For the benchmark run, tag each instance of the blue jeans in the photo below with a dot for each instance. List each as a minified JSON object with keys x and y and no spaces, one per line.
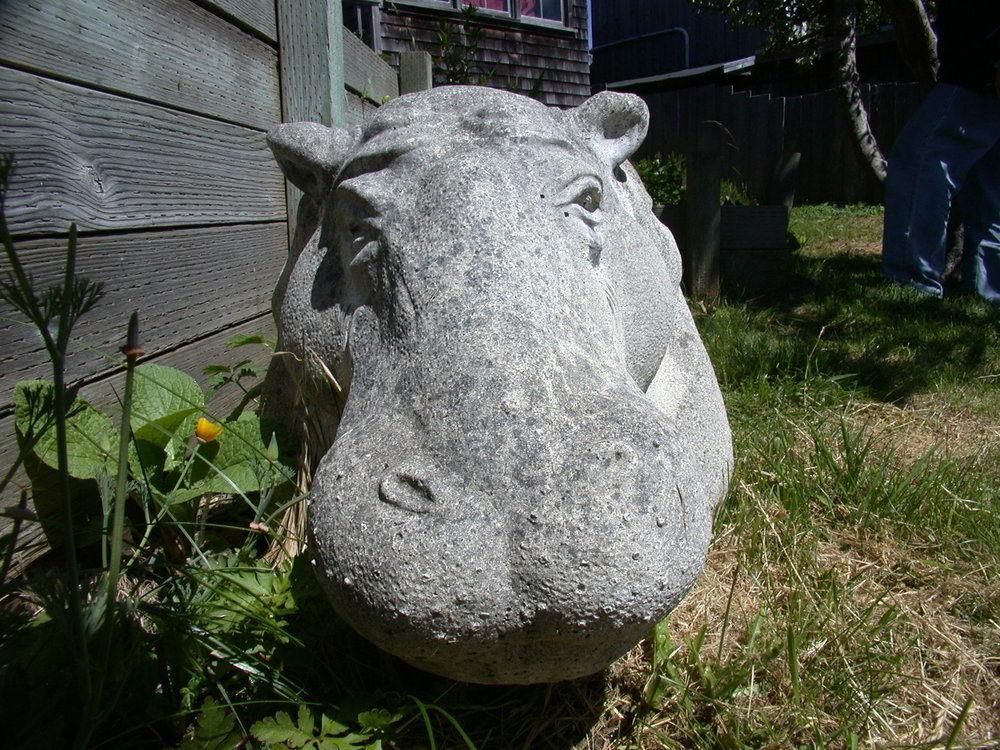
{"x":949,"y":150}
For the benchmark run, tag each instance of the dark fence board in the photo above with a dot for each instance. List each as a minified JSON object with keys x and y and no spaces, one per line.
{"x":167,"y":51}
{"x":258,"y":15}
{"x":184,"y":283}
{"x":764,"y":127}
{"x":107,"y":162}
{"x":359,"y":110}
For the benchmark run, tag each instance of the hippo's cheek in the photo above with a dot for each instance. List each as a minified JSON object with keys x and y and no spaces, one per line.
{"x":619,"y":550}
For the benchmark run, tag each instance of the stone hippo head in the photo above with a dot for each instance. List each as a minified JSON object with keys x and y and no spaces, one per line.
{"x":531,"y":439}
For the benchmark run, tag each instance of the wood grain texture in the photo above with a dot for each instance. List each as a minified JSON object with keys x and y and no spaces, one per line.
{"x":192,"y":359}
{"x":107,"y":162}
{"x":359,"y":111}
{"x":257,"y":14}
{"x":367,"y":74}
{"x":312,"y":69}
{"x":310,"y":37}
{"x":183,"y":282}
{"x":167,"y":51}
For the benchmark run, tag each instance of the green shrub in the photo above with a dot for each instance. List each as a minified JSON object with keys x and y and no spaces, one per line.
{"x":665,"y":178}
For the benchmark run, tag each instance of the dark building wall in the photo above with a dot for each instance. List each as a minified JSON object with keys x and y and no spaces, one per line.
{"x":711,"y":38}
{"x":524,"y":57}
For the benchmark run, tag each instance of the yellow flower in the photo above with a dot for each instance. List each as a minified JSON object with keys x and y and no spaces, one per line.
{"x":206,"y":430}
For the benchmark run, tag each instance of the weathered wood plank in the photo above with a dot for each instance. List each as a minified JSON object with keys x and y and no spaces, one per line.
{"x":183,"y":283}
{"x":702,"y":213}
{"x":312,"y":68}
{"x":107,"y":162}
{"x":359,"y":110}
{"x":365,"y":73}
{"x":192,"y":359}
{"x":256,"y":14}
{"x":416,"y":72}
{"x":167,"y":51}
{"x":312,"y":71}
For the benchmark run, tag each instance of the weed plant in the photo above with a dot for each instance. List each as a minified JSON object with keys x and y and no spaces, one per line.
{"x":665,"y":178}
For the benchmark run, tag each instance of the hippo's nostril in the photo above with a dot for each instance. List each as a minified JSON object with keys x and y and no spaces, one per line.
{"x":407,"y":490}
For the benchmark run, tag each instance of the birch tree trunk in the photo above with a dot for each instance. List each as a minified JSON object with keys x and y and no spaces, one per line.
{"x":915,"y":38}
{"x":843,"y":15}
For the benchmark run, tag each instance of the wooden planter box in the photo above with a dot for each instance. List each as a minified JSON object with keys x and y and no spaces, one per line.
{"x":754,"y":251}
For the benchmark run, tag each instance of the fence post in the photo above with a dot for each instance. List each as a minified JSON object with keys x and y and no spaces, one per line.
{"x":703,"y":215}
{"x":781,"y":190}
{"x":416,"y":72}
{"x":311,"y":53}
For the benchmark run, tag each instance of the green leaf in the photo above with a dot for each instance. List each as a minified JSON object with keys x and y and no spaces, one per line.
{"x":235,"y":462}
{"x":305,"y":721}
{"x":378,"y":718}
{"x":215,"y":730}
{"x":279,"y":729}
{"x":91,"y":438}
{"x":244,"y":339}
{"x":163,"y":399}
{"x":331,"y":727}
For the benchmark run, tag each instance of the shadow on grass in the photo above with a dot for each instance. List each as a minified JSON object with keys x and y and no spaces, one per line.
{"x":336,"y":666}
{"x":838,"y":316}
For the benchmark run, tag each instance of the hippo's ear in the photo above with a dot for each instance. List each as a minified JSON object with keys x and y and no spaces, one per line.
{"x":614,"y":125}
{"x":310,"y":154}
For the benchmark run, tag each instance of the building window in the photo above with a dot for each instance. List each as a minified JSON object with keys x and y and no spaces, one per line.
{"x":548,"y":10}
{"x":524,"y":10}
{"x":362,"y":17}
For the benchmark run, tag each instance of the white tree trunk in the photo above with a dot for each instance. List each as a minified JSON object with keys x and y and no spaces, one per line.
{"x":844,"y":28}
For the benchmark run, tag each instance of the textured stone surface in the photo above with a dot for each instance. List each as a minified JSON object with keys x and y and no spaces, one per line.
{"x":532,"y":440}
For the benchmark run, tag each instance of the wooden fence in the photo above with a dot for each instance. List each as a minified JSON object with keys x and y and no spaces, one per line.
{"x":143,"y":121}
{"x":761,"y":127}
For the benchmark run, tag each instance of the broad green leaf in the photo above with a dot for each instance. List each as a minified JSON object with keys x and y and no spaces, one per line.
{"x":165,"y":404}
{"x":215,"y":730}
{"x":91,"y":438}
{"x":235,"y":462}
{"x":163,"y":399}
{"x":279,"y":729}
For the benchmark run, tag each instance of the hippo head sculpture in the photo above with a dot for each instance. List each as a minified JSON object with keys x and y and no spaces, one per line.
{"x":529,"y":437}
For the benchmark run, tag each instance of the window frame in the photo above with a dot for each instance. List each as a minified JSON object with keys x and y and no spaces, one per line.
{"x":454,"y":7}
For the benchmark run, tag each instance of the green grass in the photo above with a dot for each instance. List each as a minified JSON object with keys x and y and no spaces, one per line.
{"x":852,"y":594}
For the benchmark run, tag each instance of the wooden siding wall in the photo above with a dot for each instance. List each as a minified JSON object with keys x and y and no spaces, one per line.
{"x":762,"y":127}
{"x":518,"y":54}
{"x":143,"y":121}
{"x":712,"y":38}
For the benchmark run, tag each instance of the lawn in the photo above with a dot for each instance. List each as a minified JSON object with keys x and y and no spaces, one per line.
{"x":851,"y":597}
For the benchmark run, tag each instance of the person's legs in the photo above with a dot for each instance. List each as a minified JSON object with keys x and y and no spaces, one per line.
{"x":980,"y":203}
{"x":950,"y":131}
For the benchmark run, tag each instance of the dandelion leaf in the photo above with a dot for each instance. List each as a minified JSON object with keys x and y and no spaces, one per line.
{"x":91,"y":438}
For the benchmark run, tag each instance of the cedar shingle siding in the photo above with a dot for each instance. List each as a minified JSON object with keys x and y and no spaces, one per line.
{"x":517,"y":53}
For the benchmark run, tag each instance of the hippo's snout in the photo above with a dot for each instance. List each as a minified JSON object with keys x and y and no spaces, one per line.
{"x":556,"y":526}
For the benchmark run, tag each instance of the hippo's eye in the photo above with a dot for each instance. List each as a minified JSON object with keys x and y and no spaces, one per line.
{"x":589,"y":199}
